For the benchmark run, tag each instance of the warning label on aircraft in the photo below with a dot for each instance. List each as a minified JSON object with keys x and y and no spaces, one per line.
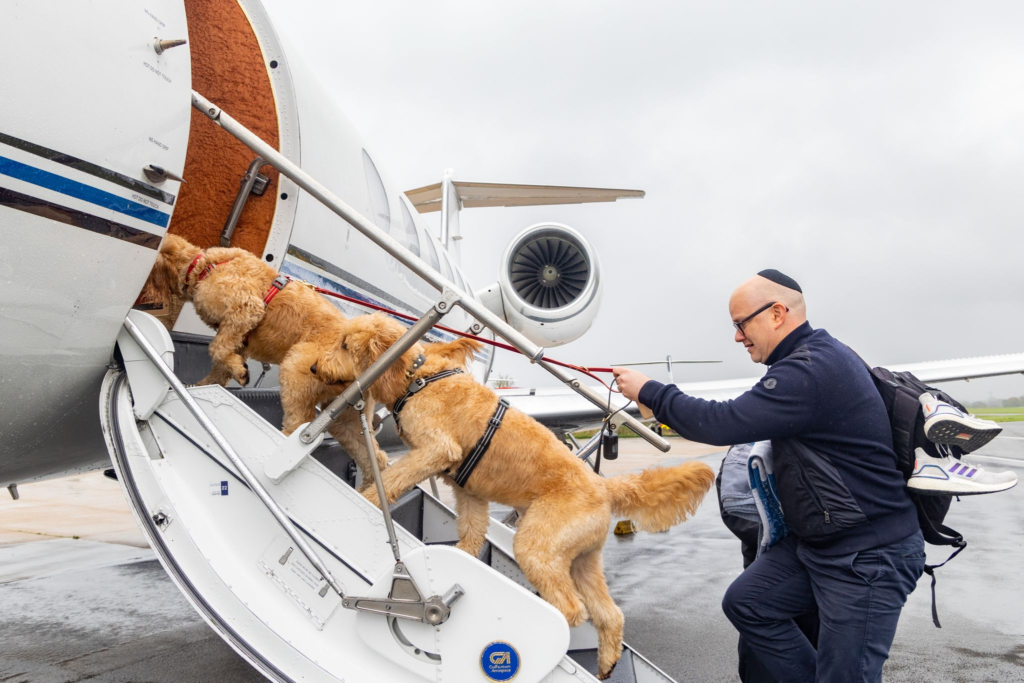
{"x":499,"y":661}
{"x":291,"y":572}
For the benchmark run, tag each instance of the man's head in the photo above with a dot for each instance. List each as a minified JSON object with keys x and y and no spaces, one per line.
{"x":767,"y":307}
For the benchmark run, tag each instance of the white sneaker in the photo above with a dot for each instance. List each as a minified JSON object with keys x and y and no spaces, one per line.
{"x":949,"y":476}
{"x":947,"y":424}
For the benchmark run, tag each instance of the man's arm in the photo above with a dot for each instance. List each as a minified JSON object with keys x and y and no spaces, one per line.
{"x":782,"y":404}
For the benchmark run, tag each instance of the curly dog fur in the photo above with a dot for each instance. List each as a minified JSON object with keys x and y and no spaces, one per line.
{"x":297,"y":325}
{"x":565,"y":507}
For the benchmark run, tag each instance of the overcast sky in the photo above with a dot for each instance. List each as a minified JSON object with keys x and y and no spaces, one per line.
{"x":874,"y":151}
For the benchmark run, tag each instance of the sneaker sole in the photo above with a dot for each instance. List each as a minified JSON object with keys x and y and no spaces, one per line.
{"x":955,"y":431}
{"x":943,"y":487}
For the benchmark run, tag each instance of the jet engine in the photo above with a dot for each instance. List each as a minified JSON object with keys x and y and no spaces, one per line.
{"x":549,"y":286}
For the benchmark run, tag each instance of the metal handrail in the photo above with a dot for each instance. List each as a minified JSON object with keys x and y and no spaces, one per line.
{"x":532,"y":351}
{"x":225,"y":447}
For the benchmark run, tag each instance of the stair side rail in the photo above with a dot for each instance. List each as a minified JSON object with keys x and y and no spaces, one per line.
{"x":246,"y":474}
{"x":532,"y":351}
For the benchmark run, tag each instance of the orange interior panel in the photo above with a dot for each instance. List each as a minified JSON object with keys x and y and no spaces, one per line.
{"x":229,"y":69}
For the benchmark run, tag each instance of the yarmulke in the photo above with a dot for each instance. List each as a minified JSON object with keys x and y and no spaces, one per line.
{"x":780,"y":279}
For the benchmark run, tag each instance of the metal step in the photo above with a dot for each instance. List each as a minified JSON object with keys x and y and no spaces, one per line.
{"x":622,"y":673}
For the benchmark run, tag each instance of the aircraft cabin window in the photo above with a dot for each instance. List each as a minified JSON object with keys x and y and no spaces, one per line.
{"x":447,"y":267}
{"x":432,"y":254}
{"x":378,"y":195}
{"x":407,"y":234}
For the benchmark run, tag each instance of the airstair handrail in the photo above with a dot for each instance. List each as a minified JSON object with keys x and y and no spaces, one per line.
{"x":246,"y":474}
{"x":532,"y":351}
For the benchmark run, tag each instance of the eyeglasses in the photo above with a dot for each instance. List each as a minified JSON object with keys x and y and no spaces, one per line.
{"x":740,"y":324}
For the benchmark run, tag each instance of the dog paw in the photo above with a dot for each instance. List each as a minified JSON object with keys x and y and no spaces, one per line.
{"x":576,"y":616}
{"x":370,"y":493}
{"x":604,"y":674}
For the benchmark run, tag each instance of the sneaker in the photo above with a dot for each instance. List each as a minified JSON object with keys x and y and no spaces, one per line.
{"x":949,"y":476}
{"x":947,"y":424}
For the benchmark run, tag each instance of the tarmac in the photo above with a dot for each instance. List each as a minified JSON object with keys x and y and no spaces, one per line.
{"x":84,"y":600}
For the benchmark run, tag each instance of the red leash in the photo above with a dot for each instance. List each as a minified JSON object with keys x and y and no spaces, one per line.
{"x":588,"y":371}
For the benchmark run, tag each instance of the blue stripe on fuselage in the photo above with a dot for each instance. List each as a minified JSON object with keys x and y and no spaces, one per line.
{"x":87,"y":193}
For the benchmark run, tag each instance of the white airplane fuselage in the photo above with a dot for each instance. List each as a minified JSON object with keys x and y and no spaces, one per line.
{"x":85,"y":111}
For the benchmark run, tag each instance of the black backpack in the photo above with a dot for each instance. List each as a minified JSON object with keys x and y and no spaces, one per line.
{"x":900,"y":391}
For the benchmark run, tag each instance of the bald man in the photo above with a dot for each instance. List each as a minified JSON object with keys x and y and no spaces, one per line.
{"x":854,"y":547}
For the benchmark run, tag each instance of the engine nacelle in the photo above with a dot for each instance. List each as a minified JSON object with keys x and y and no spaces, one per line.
{"x":549,"y":287}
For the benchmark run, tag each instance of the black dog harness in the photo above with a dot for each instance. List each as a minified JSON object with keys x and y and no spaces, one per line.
{"x":416,"y":385}
{"x":470,"y":462}
{"x":473,"y":459}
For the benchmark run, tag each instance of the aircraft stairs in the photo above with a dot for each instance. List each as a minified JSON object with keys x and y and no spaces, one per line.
{"x":229,"y":557}
{"x":268,"y":539}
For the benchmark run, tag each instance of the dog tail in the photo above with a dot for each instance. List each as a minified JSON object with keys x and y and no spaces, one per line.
{"x":659,"y":497}
{"x":459,"y":351}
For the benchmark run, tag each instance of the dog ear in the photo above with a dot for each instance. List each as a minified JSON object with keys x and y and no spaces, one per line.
{"x":459,"y":351}
{"x":385,"y":332}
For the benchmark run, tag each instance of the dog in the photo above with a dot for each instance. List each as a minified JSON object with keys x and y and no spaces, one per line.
{"x":565,"y":507}
{"x":228,"y":287}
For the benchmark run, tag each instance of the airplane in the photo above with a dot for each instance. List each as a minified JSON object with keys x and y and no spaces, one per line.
{"x":143,"y":121}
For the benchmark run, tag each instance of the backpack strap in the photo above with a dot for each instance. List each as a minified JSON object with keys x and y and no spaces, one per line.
{"x":904,"y":414}
{"x":938,"y":535}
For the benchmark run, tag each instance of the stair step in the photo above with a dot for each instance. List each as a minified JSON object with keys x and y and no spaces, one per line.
{"x":622,"y":673}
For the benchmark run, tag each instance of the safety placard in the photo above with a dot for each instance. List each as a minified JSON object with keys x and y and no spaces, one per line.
{"x":292,"y":573}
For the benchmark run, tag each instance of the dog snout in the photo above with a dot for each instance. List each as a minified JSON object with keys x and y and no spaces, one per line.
{"x":312,"y":368}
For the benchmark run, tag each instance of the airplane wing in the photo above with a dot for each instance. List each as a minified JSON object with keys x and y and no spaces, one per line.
{"x":563,"y":409}
{"x":428,"y":199}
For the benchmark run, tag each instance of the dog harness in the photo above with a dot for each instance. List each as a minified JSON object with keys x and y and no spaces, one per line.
{"x":461,"y":476}
{"x":204,"y":272}
{"x":279,"y":283}
{"x":415,"y":386}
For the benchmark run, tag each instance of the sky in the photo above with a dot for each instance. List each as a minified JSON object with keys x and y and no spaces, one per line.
{"x":874,"y":151}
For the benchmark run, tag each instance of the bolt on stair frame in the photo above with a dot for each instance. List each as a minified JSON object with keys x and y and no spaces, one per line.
{"x":532,"y":351}
{"x":250,"y":479}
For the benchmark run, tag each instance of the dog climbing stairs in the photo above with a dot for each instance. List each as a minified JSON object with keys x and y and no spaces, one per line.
{"x":298,"y":576}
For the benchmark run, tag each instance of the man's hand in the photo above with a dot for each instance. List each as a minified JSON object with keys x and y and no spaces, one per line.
{"x":630,"y":382}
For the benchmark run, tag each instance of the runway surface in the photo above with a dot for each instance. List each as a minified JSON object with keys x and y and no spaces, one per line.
{"x":99,"y":608}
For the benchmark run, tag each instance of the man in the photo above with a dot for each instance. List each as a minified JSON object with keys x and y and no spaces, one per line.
{"x":855,"y":548}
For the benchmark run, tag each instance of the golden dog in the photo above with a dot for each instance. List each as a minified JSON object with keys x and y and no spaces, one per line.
{"x":567,"y":506}
{"x":298,"y":324}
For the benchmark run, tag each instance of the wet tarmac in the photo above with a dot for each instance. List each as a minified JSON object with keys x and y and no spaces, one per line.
{"x":100,"y":609}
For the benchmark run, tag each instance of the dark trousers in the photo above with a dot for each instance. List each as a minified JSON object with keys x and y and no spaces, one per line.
{"x":859,"y":597}
{"x":752,"y":670}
